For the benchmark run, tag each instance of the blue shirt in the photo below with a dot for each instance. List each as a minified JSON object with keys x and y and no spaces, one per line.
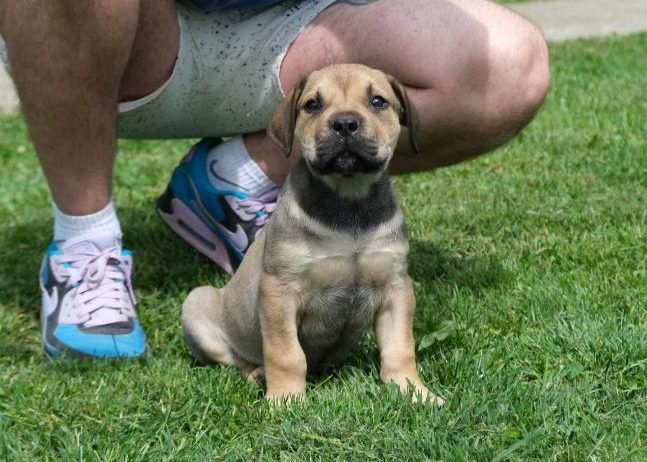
{"x":213,"y":5}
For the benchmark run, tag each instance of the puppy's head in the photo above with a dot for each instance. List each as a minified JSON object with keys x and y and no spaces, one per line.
{"x":346,"y":119}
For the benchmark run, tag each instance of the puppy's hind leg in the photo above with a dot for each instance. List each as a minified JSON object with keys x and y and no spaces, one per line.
{"x":202,"y":323}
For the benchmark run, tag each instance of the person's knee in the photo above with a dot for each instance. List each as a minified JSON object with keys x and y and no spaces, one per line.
{"x":533,"y":76}
{"x":86,"y":21}
{"x":519,"y":75}
{"x":69,"y":41}
{"x":497,"y":86}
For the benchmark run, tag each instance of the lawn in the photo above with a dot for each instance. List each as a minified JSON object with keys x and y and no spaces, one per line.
{"x":530,"y":261}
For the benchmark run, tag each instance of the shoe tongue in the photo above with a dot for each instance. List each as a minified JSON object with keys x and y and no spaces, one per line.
{"x":88,"y":243}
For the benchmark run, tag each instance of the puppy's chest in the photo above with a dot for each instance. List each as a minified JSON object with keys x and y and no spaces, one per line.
{"x":345,"y":281}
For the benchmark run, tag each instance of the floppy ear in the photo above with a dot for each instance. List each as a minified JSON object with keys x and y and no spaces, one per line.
{"x":284,"y":119}
{"x":408,"y":116}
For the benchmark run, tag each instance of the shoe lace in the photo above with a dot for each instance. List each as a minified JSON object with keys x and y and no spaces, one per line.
{"x":262,"y":206}
{"x":101,"y":281}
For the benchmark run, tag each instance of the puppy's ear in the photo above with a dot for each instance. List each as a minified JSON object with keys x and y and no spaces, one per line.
{"x":284,"y":119}
{"x":408,"y":116}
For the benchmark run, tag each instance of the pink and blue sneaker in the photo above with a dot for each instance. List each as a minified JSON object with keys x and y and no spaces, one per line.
{"x":219,"y":223}
{"x":88,"y":304}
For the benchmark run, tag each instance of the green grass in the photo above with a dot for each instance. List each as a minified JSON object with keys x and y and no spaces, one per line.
{"x":536,"y":253}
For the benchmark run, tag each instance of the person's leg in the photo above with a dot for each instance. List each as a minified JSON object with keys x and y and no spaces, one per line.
{"x":476,"y":71}
{"x":68,"y":60}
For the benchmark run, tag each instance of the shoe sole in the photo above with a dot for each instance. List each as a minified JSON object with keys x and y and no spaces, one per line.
{"x":186,"y":224}
{"x":59,"y":355}
{"x":52,"y":354}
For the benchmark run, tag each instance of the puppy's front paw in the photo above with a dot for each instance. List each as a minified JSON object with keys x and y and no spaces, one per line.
{"x":422,"y":394}
{"x":284,"y":397}
{"x":419,"y":392}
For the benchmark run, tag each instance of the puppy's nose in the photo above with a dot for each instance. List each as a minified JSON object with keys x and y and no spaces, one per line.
{"x":345,"y":124}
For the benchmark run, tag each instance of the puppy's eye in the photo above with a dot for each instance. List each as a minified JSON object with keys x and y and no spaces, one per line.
{"x":313,"y":105}
{"x":378,"y":102}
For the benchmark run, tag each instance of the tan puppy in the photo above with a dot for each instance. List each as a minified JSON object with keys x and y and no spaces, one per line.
{"x":333,"y":258}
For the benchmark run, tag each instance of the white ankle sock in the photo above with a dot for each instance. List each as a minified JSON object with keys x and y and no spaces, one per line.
{"x":230,"y":167}
{"x":68,"y":226}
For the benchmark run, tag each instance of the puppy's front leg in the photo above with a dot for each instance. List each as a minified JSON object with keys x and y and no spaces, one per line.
{"x":284,"y":359}
{"x":394,"y":331}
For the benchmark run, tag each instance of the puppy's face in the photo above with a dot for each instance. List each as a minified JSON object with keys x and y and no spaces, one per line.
{"x":346,"y":119}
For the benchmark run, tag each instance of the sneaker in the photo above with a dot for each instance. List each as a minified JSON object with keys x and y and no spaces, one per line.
{"x":220,"y":224}
{"x":88,"y":304}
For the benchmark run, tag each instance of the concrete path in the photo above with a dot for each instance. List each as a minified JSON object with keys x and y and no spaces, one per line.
{"x":562,"y":20}
{"x":8,"y":98}
{"x":558,"y":19}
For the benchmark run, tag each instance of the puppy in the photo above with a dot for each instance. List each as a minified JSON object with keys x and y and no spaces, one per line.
{"x":333,"y":258}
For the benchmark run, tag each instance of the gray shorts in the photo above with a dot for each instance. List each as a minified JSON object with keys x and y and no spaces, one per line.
{"x":226,"y":77}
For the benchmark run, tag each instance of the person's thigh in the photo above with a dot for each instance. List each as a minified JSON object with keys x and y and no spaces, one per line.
{"x":457,"y":57}
{"x":473,"y":68}
{"x":154,"y":50}
{"x":423,"y":42}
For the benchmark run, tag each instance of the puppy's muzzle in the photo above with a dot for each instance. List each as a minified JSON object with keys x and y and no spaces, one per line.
{"x":345,"y":149}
